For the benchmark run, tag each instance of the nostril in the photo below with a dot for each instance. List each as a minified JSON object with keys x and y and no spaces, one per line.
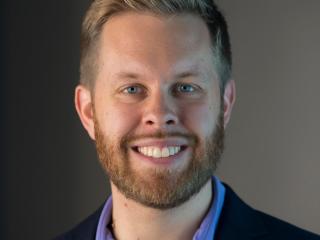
{"x":149,"y":122}
{"x":166,"y":119}
{"x":170,"y":121}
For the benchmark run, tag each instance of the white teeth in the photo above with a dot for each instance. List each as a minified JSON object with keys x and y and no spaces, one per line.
{"x":157,"y":152}
{"x":150,"y":151}
{"x":144,"y":150}
{"x":177,"y":149}
{"x":165,"y":152}
{"x":171,"y":151}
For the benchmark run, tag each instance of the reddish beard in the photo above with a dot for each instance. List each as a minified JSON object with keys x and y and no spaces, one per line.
{"x":161,"y":189}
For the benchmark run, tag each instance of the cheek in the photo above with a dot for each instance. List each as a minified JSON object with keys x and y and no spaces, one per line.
{"x":118,"y":119}
{"x":200,"y":118}
{"x":115,"y":119}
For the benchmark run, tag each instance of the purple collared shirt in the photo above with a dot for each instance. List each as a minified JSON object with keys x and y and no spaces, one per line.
{"x":205,"y":232}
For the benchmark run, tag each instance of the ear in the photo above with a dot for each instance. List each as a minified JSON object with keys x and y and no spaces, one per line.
{"x":229,"y":98}
{"x":84,"y":107}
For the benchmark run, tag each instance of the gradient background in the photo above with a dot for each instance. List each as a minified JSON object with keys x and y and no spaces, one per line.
{"x":50,"y":177}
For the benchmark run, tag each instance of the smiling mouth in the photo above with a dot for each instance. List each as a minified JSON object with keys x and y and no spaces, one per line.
{"x":157,"y":152}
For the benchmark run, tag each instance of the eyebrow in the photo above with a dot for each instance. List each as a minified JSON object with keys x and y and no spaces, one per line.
{"x":130,"y":75}
{"x":134,"y":76}
{"x":186,"y":74}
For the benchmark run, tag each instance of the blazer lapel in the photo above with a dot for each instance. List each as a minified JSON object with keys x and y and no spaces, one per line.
{"x":238,"y":220}
{"x":87,"y":229}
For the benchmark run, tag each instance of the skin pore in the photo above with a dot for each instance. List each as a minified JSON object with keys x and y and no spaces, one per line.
{"x":156,"y":86}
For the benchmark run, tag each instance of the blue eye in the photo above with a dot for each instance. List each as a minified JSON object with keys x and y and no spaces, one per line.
{"x":132,"y":90}
{"x":186,"y":88}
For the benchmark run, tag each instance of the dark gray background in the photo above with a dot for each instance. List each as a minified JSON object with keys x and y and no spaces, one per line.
{"x":50,"y":177}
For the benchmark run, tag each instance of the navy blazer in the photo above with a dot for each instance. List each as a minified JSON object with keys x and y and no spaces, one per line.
{"x":238,"y":221}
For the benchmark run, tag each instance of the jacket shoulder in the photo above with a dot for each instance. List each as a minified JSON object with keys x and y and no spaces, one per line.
{"x":85,"y":230}
{"x":284,"y":230}
{"x":240,"y":221}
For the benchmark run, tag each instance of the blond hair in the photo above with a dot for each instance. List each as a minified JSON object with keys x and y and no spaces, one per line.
{"x":100,"y":11}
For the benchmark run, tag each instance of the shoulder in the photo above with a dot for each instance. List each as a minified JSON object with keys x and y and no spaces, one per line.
{"x":240,"y":221}
{"x":284,"y":230}
{"x":85,"y":230}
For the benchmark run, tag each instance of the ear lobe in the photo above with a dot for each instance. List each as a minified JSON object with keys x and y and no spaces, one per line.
{"x":229,"y":99}
{"x":84,"y":107}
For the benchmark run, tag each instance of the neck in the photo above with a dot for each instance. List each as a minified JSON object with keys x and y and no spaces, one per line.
{"x":131,"y":220}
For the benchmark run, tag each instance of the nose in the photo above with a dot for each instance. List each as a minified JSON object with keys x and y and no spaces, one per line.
{"x":160,"y":111}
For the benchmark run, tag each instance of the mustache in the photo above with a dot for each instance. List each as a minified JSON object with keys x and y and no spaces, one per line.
{"x":191,"y":138}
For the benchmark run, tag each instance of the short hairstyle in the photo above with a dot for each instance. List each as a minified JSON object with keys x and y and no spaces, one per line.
{"x":101,"y":10}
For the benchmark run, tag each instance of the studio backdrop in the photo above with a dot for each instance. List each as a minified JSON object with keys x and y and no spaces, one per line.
{"x":50,"y":174}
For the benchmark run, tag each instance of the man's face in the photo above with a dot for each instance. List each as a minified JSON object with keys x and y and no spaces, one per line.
{"x":157,"y":107}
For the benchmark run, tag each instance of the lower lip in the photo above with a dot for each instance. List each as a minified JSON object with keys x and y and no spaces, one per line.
{"x":164,"y":161}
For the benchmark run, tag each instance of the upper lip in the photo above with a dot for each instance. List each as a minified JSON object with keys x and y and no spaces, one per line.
{"x":161,"y":143}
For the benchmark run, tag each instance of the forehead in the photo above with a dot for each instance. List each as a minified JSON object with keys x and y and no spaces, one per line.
{"x":149,"y":42}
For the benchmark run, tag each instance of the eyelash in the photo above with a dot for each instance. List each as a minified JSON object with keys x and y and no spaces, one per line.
{"x":176,"y":89}
{"x":125,"y":90}
{"x":180,"y":85}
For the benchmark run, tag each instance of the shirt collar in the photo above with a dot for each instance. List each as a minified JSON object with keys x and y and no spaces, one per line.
{"x":205,"y":231}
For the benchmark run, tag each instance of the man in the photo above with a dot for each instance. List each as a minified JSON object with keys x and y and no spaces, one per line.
{"x":156,"y":94}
